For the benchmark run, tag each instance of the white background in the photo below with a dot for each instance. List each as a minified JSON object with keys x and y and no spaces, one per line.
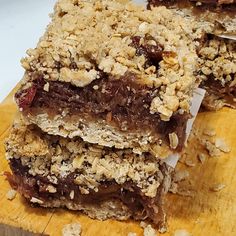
{"x":22,"y":22}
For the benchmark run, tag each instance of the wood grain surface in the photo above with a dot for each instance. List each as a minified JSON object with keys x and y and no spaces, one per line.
{"x":204,"y":213}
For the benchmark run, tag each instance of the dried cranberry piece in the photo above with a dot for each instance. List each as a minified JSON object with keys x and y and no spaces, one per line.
{"x":25,"y":97}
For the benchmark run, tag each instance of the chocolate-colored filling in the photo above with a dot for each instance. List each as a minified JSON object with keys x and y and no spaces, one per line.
{"x":225,"y":92}
{"x":140,"y":205}
{"x":122,"y":103}
{"x":212,"y":5}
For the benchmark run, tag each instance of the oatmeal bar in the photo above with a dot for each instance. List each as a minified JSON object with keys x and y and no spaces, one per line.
{"x":52,"y":171}
{"x":113,"y":74}
{"x":217,"y":69}
{"x":210,"y":13}
{"x":216,"y":56}
{"x":198,"y":5}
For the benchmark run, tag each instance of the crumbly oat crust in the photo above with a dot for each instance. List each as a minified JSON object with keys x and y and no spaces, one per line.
{"x":109,"y":209}
{"x":100,"y":133}
{"x":87,"y":37}
{"x":56,"y":156}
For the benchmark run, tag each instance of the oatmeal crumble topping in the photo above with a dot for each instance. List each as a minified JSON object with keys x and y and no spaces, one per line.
{"x":218,"y":59}
{"x":86,"y":38}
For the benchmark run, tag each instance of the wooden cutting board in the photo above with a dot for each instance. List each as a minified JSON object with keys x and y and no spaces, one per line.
{"x":205,"y":213}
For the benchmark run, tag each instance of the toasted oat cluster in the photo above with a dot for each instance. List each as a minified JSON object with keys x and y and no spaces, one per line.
{"x":217,"y":70}
{"x":218,"y":59}
{"x":86,"y":38}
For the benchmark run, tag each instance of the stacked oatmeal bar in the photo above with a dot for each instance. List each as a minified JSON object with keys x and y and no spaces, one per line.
{"x":217,"y":49}
{"x":105,"y":99}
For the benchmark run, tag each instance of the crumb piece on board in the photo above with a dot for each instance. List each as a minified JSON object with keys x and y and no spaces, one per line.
{"x":148,"y":230}
{"x":163,"y":229}
{"x":201,"y":157}
{"x":189,"y":162}
{"x":215,"y":148}
{"x":209,"y":131}
{"x":73,"y":229}
{"x":197,"y":221}
{"x":217,"y":187}
{"x":180,"y":175}
{"x":212,"y":149}
{"x":132,"y":234}
{"x":173,"y":188}
{"x":11,"y":194}
{"x":143,"y":224}
{"x":220,"y":143}
{"x":181,"y":232}
{"x":185,"y":192}
{"x":183,"y":157}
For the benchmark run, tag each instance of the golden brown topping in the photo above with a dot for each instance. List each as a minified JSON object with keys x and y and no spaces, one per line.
{"x":86,"y":37}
